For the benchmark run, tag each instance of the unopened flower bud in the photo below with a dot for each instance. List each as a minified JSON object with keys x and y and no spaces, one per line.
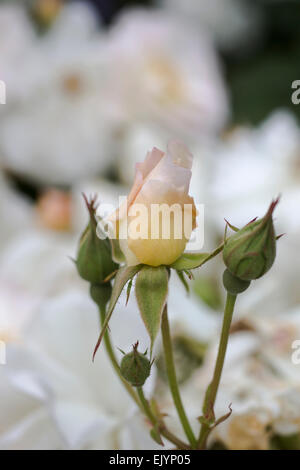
{"x":135,"y":367}
{"x":94,"y":259}
{"x":250,"y":253}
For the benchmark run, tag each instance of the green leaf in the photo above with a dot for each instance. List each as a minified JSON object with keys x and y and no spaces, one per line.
{"x":233,"y":227}
{"x":151,"y":289}
{"x":123,"y":275}
{"x":194,"y":260}
{"x":155,"y":434}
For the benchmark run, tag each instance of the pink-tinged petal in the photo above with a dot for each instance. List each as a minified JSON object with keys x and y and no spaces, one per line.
{"x":152,"y":159}
{"x":169,"y":172}
{"x":142,"y":171}
{"x":162,"y":179}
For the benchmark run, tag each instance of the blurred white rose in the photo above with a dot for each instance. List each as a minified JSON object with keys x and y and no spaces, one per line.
{"x":232,"y":23}
{"x":252,"y":166}
{"x":262,"y":385}
{"x":58,"y":130}
{"x":259,"y":381}
{"x":16,"y":38}
{"x":166,"y":73}
{"x":61,"y":399}
{"x":247,"y":169}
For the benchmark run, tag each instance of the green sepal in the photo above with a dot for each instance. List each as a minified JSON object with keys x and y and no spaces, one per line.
{"x":151,"y":290}
{"x":155,"y":434}
{"x":123,"y":275}
{"x":189,"y":261}
{"x":183,"y":280}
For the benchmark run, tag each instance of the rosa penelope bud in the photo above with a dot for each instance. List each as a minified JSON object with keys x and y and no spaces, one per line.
{"x":94,"y":259}
{"x":156,"y":222}
{"x":135,"y":367}
{"x":250,"y":252}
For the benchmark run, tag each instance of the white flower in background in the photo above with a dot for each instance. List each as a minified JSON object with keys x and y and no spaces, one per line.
{"x":259,"y":381}
{"x":58,"y":131}
{"x":232,"y":23}
{"x":60,"y":398}
{"x":38,"y":262}
{"x":16,"y":38}
{"x":165,"y":73}
{"x":247,"y":170}
{"x":34,"y":266}
{"x":263,"y":385}
{"x":252,"y":166}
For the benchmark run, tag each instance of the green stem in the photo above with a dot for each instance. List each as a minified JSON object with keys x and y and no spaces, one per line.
{"x":139,"y":397}
{"x":212,"y":390}
{"x":113,"y":359}
{"x":171,"y":372}
{"x":163,"y":430}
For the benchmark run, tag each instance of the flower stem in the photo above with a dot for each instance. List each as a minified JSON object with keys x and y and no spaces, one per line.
{"x":212,"y":390}
{"x":163,"y":430}
{"x":171,"y":372}
{"x":139,"y":397}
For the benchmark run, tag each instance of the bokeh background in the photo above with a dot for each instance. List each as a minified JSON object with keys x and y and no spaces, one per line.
{"x":91,"y":86}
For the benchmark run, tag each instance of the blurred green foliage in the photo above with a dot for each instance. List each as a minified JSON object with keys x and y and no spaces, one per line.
{"x":208,"y":290}
{"x":285,"y":442}
{"x":188,"y":354}
{"x":260,"y":79}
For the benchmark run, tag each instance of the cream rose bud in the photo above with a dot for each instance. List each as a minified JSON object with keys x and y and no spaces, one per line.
{"x":157,"y":220}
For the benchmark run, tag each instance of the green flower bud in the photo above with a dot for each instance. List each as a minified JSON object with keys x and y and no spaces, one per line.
{"x":250,"y":253}
{"x":94,"y":259}
{"x":234,"y":285}
{"x":135,"y":367}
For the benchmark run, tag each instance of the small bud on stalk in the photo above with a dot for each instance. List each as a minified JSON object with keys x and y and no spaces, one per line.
{"x":135,"y":367}
{"x":94,"y":260}
{"x":250,"y":253}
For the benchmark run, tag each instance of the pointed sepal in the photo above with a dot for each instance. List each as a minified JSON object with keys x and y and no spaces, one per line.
{"x":155,"y":434}
{"x":124,"y":274}
{"x":151,"y":289}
